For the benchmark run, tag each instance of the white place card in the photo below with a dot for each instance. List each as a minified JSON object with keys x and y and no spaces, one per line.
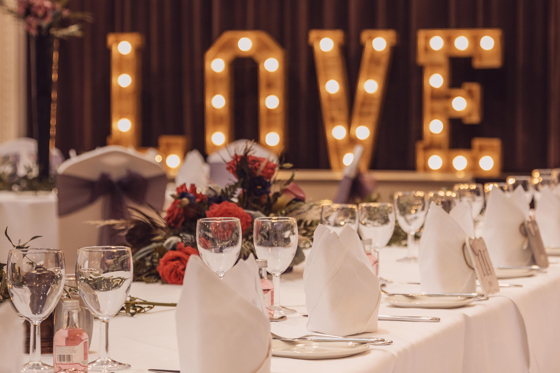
{"x":530,"y":229}
{"x":478,"y":254}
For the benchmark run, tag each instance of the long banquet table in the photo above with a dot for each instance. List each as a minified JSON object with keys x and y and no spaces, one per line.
{"x":517,"y":330}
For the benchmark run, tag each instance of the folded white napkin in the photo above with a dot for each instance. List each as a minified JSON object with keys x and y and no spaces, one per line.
{"x":222,"y":325}
{"x":504,"y":216}
{"x":443,"y":266}
{"x":12,"y":340}
{"x":341,"y":291}
{"x":518,"y":197}
{"x":547,"y":215}
{"x":194,"y":171}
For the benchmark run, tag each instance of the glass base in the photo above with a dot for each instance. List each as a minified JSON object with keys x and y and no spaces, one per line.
{"x":286,"y":311}
{"x":37,"y":368}
{"x":408,"y":259}
{"x":107,"y":365}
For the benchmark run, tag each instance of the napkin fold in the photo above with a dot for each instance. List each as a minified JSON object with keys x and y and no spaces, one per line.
{"x":443,"y":266}
{"x":12,"y":340}
{"x":504,"y":216}
{"x":342,"y":292}
{"x":222,"y":325}
{"x":194,"y":170}
{"x":547,"y":215}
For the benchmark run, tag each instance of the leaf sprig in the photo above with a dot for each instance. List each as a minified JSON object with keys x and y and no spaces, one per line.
{"x":20,"y":245}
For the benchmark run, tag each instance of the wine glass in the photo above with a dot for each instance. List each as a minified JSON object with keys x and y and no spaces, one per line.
{"x":522,"y":182}
{"x":337,"y":215}
{"x":104,"y":277}
{"x":473,"y":194}
{"x":35,"y":282}
{"x":542,"y":181}
{"x":446,"y":199}
{"x":276,"y":240}
{"x":376,"y":226}
{"x":411,"y":208}
{"x":504,"y":187}
{"x":219,"y":243}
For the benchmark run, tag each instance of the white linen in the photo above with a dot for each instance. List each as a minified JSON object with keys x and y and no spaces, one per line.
{"x":547,"y":215}
{"x":442,"y":263}
{"x":222,"y":325}
{"x":194,"y":170}
{"x":504,"y":216}
{"x":11,"y":340}
{"x":341,"y":290}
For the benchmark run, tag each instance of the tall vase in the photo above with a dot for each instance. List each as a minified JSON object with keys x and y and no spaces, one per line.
{"x":41,"y":49}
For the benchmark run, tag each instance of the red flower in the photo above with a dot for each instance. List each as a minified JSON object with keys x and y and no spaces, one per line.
{"x":199,"y":197}
{"x":172,"y":265}
{"x":175,"y":215}
{"x":230,"y":210}
{"x":258,"y":166}
{"x":231,"y":166}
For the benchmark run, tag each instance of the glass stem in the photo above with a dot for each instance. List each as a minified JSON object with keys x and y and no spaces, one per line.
{"x":411,"y":244}
{"x":276,"y":284}
{"x":104,"y":340}
{"x":35,"y":342}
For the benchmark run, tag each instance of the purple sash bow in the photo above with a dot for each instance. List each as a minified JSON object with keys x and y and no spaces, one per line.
{"x":349,"y":190}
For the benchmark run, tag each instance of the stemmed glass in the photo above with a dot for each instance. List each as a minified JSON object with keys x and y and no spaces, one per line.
{"x":542,"y":181}
{"x":473,"y":194}
{"x":411,"y":208}
{"x":337,"y":215}
{"x":219,"y":243}
{"x":104,"y":277}
{"x":522,"y":182}
{"x":35,"y":282}
{"x":446,"y":199}
{"x":276,"y":240}
{"x":504,"y":187}
{"x":376,"y":226}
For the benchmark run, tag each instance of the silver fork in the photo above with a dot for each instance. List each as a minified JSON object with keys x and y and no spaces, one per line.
{"x":316,"y":338}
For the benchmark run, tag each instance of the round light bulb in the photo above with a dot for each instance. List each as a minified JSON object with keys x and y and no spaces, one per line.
{"x":332,"y":86}
{"x":173,"y":161}
{"x":435,"y":162}
{"x":326,"y":44}
{"x":486,"y":43}
{"x":460,"y":163}
{"x":158,"y":158}
{"x":362,"y":132}
{"x":218,"y":138}
{"x":436,"y":43}
{"x":124,"y":47}
{"x":347,"y":159}
{"x":339,"y":132}
{"x":436,"y":126}
{"x":272,"y":102}
{"x":436,"y":80}
{"x":217,"y":65}
{"x":486,"y":163}
{"x":218,"y":102}
{"x":245,"y":44}
{"x":459,"y":103}
{"x":124,"y":125}
{"x":272,"y":139}
{"x":379,"y":44}
{"x":271,"y":64}
{"x":124,"y":80}
{"x":370,"y":86}
{"x":461,"y":43}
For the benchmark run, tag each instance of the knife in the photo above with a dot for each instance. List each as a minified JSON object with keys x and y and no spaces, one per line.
{"x":408,"y":318}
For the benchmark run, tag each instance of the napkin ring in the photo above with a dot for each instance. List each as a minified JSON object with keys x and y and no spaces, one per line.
{"x":465,"y":257}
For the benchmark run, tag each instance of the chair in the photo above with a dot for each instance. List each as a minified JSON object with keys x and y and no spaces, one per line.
{"x":100,"y":185}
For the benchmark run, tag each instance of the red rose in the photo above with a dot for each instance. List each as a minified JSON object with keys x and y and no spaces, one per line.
{"x":175,"y":215}
{"x":261,"y":167}
{"x":231,"y":166}
{"x":172,"y":265}
{"x":181,"y":188}
{"x":199,"y":197}
{"x":230,"y":210}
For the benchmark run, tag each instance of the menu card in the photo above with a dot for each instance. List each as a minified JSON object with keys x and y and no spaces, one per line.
{"x":530,"y":229}
{"x":478,"y":254}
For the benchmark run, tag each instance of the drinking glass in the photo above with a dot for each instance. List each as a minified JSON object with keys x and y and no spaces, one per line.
{"x":522,"y":182}
{"x":337,"y":215}
{"x":35,"y":282}
{"x":104,"y":276}
{"x":276,"y":240}
{"x":473,"y":194}
{"x":411,"y":208}
{"x":376,"y":226}
{"x":446,"y":199}
{"x":542,"y":181}
{"x":219,"y":243}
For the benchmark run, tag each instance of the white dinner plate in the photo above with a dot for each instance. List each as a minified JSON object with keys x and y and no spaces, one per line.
{"x":503,"y":273}
{"x":310,"y":350}
{"x":554,"y":251}
{"x":425,"y":301}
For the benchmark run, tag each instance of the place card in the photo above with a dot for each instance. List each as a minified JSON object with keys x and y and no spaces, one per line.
{"x":530,"y":229}
{"x":480,"y":258}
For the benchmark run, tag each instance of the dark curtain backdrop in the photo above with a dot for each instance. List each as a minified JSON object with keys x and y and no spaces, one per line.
{"x":521,"y":100}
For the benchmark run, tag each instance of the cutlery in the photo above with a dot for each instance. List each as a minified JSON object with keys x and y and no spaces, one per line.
{"x":164,"y":370}
{"x":316,"y":338}
{"x":533,"y":267}
{"x":416,"y":295}
{"x":409,"y":318}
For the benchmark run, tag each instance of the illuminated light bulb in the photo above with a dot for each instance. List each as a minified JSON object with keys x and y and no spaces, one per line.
{"x":459,"y":103}
{"x":124,"y":125}
{"x":362,"y":132}
{"x":124,"y":80}
{"x":245,"y":44}
{"x":158,"y":158}
{"x":218,"y":101}
{"x":332,"y":86}
{"x":272,"y":102}
{"x":436,"y":126}
{"x":348,"y":158}
{"x":218,"y":138}
{"x":218,"y":65}
{"x":326,"y":44}
{"x":461,"y":43}
{"x":272,"y":139}
{"x":460,"y":163}
{"x":271,"y":64}
{"x":510,"y":180}
{"x":124,"y":47}
{"x":379,"y":44}
{"x":435,"y":162}
{"x":486,"y":163}
{"x":339,"y":132}
{"x":370,"y":86}
{"x":436,"y":43}
{"x":436,"y":80}
{"x":486,"y":43}
{"x":173,"y":161}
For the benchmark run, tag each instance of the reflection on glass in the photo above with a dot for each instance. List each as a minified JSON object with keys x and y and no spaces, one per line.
{"x":219,"y":243}
{"x":338,"y":215}
{"x":446,"y":199}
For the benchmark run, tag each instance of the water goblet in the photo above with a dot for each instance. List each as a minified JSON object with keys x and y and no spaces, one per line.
{"x":504,"y":187}
{"x":104,"y":277}
{"x":219,"y":243}
{"x":276,"y":240}
{"x":446,"y":199}
{"x":411,"y":209}
{"x":542,"y":181}
{"x":376,"y":226}
{"x":35,"y":283}
{"x":338,"y":215}
{"x":523,"y":182}
{"x":473,"y":194}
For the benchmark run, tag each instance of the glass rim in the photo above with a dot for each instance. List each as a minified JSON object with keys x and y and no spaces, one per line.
{"x":37,"y":250}
{"x":409,"y":193}
{"x":347,"y":205}
{"x":103,"y":248}
{"x":216,"y":219}
{"x":275,"y":218}
{"x":375,"y":204}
